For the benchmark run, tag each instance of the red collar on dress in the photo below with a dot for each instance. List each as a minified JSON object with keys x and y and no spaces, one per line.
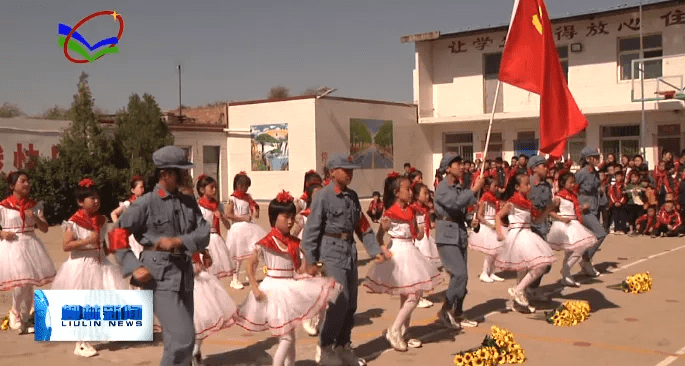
{"x":212,"y":205}
{"x":292,"y":242}
{"x":406,"y":214}
{"x":570,"y":196}
{"x":520,"y":200}
{"x":246,"y":197}
{"x":87,"y":221}
{"x":21,"y":205}
{"x":420,"y":208}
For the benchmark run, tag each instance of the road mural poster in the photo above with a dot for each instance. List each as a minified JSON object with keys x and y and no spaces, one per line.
{"x":270,"y":150}
{"x":371,"y":143}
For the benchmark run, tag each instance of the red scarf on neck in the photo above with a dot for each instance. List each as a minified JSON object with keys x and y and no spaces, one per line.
{"x":92,"y":222}
{"x":570,"y":196}
{"x":21,"y":205}
{"x":419,"y":208}
{"x":133,"y":198}
{"x":395,"y":212}
{"x":304,"y":196}
{"x":246,"y":197}
{"x":306,"y":212}
{"x":292,"y":242}
{"x":520,"y":200}
{"x":212,"y":205}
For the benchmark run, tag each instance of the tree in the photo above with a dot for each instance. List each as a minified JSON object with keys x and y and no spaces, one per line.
{"x":57,"y":113}
{"x":311,"y":91}
{"x":278,"y":92}
{"x":85,"y":151}
{"x":140,"y":130}
{"x":384,"y":136}
{"x":8,"y":110}
{"x":265,"y":138}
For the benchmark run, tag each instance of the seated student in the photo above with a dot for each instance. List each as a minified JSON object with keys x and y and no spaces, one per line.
{"x":375,"y":210}
{"x":646,"y":224}
{"x":670,"y":223}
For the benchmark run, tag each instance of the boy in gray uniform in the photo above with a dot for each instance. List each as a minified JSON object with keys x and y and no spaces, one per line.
{"x":588,"y":181}
{"x":451,"y":201}
{"x":170,"y":227}
{"x":336,"y":215}
{"x":540,"y":195}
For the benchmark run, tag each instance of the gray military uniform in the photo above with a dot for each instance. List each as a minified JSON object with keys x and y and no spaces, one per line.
{"x":451,"y":202}
{"x":155,"y":215}
{"x":589,"y":184}
{"x":328,"y":238}
{"x":540,"y":196}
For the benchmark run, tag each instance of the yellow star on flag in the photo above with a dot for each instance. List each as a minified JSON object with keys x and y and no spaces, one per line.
{"x":536,"y":21}
{"x":114,"y":15}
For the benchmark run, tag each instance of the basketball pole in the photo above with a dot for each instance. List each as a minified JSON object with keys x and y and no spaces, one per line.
{"x":492,"y":118}
{"x":643,"y":136}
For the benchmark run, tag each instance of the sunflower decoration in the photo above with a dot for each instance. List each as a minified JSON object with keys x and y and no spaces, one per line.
{"x":572,"y":312}
{"x":5,"y":322}
{"x":498,"y":348}
{"x":637,"y":283}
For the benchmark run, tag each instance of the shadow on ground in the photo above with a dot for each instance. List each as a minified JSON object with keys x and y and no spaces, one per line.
{"x":253,"y":355}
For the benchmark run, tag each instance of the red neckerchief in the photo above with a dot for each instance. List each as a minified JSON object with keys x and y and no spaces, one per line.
{"x":519,"y":200}
{"x":92,"y":222}
{"x":490,"y":198}
{"x":246,"y":197}
{"x":419,"y":208}
{"x":395,"y":212}
{"x":570,"y":196}
{"x":21,"y":205}
{"x":304,"y":197}
{"x":306,"y":212}
{"x":133,"y":198}
{"x":326,"y":182}
{"x":292,"y":242}
{"x":211,"y":205}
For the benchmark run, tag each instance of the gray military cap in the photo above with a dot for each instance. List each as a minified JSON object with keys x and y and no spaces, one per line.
{"x":342,"y":161}
{"x":448,"y":159}
{"x":171,"y":157}
{"x":589,"y":151}
{"x":536,"y":160}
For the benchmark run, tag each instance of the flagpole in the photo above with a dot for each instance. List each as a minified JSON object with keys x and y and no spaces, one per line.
{"x":492,"y":118}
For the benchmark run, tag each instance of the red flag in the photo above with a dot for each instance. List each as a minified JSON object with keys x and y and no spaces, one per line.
{"x":530,"y":61}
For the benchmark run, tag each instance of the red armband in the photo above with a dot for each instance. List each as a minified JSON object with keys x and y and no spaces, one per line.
{"x":118,"y":239}
{"x":196,"y":258}
{"x":363,"y":225}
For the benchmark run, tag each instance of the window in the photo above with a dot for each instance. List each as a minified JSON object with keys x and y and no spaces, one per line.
{"x":621,"y":140}
{"x":210,"y":165}
{"x":563,"y":58}
{"x":668,"y":138}
{"x":629,"y":50}
{"x":525,"y":143}
{"x":495,"y":148}
{"x":575,"y":146}
{"x":491,"y":63}
{"x":460,"y":143}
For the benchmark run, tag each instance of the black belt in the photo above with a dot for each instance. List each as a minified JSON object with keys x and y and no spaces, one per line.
{"x":446,"y":218}
{"x":343,"y":236}
{"x":151,"y":248}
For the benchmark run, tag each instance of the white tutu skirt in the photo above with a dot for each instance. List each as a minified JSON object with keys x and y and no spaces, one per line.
{"x":288,"y":302}
{"x":24,"y":261}
{"x":572,"y":236}
{"x":407,"y":272}
{"x":85,"y":273}
{"x":485,"y":241}
{"x":214,"y":308}
{"x":241,"y":239}
{"x":522,"y":249}
{"x":429,"y":249}
{"x":222,"y":262}
{"x":136,"y":248}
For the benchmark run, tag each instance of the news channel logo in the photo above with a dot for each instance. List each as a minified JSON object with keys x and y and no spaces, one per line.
{"x":93,"y":315}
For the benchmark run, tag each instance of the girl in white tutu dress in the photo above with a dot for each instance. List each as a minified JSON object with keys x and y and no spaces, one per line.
{"x":485,"y":240}
{"x":567,"y":232}
{"x":87,"y":267}
{"x":311,"y":325}
{"x":214,"y":309}
{"x":523,"y":250}
{"x":408,"y":273}
{"x":137,"y":190}
{"x":426,"y":245}
{"x":244,"y":232}
{"x":214,"y":214}
{"x":284,"y":298}
{"x":310,"y":177}
{"x":24,"y":261}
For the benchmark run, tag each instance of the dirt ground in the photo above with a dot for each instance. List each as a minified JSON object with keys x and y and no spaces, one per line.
{"x":623,"y":329}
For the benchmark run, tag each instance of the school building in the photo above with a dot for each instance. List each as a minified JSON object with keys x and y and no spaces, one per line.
{"x":455,"y":77}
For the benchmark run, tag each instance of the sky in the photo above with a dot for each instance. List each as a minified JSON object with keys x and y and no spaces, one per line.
{"x":232,"y":50}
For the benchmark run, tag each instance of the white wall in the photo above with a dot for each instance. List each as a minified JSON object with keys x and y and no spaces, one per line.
{"x":196,"y":140}
{"x":43,"y":134}
{"x":299,"y":115}
{"x":411,"y":143}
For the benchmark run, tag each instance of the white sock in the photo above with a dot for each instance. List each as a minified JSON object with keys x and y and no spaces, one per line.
{"x":284,"y":355}
{"x":407,"y":308}
{"x":531,"y":276}
{"x":198,"y":345}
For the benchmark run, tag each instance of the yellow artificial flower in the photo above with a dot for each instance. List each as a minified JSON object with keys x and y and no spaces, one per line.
{"x":511,"y":358}
{"x":478,"y":362}
{"x":502,"y":359}
{"x":481,"y":353}
{"x":468,"y":357}
{"x":459,"y":360}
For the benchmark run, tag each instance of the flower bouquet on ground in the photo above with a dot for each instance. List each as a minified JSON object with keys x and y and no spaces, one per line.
{"x":571,"y":312}
{"x":640,"y":282}
{"x":498,"y":348}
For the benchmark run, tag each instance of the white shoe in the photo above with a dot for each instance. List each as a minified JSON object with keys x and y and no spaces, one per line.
{"x":85,"y":350}
{"x":519,"y":296}
{"x":235,"y":284}
{"x":568,"y":281}
{"x":15,"y":321}
{"x":412,"y":342}
{"x":496,"y":278}
{"x":467,"y":323}
{"x":424,"y":303}
{"x":348,"y":357}
{"x":329,"y":356}
{"x":485,"y":278}
{"x":310,"y":326}
{"x":588,"y":268}
{"x":317,"y":355}
{"x":395,"y":340}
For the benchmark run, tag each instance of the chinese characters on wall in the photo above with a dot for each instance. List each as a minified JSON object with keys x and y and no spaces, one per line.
{"x":22,"y":155}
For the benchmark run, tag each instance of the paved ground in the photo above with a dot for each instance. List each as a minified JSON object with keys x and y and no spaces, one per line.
{"x":623,"y":329}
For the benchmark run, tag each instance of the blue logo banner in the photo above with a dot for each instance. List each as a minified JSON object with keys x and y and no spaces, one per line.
{"x":93,"y":315}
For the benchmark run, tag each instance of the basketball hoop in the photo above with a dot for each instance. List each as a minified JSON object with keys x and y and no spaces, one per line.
{"x":668,"y":94}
